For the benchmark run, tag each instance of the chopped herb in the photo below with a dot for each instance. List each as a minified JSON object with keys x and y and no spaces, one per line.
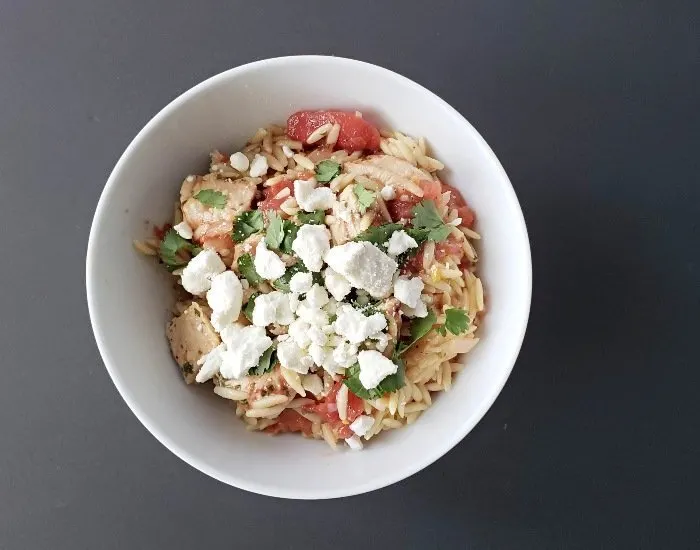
{"x":379,"y":234}
{"x":390,"y":384}
{"x":283,"y":282}
{"x":267,"y":359}
{"x":326,"y":170}
{"x":247,"y":269}
{"x":246,"y":224}
{"x":275,"y":231}
{"x":426,"y":216}
{"x":456,"y":322}
{"x":211,"y":197}
{"x":317,"y":217}
{"x":419,"y":328}
{"x":171,"y":244}
{"x":290,"y":233}
{"x":250,"y":305}
{"x":365,"y":198}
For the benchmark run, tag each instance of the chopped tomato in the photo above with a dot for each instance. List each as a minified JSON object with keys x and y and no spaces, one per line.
{"x":402,"y":206}
{"x":356,"y":134}
{"x":270,"y":202}
{"x":290,"y":421}
{"x":447,"y":248}
{"x":414,"y":264}
{"x":431,"y":189}
{"x":327,"y":409}
{"x":458,"y":202}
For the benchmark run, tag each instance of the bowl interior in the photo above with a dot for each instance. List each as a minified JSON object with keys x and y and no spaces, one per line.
{"x":129,"y":296}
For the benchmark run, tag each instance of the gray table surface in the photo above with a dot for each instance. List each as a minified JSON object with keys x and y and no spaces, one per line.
{"x":592,"y":106}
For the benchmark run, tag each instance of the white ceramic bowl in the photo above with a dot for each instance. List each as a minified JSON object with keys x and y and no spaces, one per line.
{"x":129,"y":296}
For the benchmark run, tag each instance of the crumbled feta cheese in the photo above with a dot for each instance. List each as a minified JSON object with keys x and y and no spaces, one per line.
{"x":287,"y":151}
{"x":331,"y":307}
{"x":301,"y":282}
{"x":337,"y":285}
{"x":356,"y":327}
{"x":317,"y":353}
{"x":272,"y":308}
{"x":239,"y":161}
{"x":311,"y":244}
{"x":210,"y":363}
{"x":407,"y":291}
{"x":354,"y":443}
{"x":299,"y":332}
{"x":312,"y":383}
{"x":244,"y":346}
{"x":310,"y":198}
{"x":258,"y":167}
{"x":388,"y":193}
{"x":184,"y":230}
{"x":399,"y":242}
{"x":345,"y":354}
{"x":291,"y":357}
{"x":374,"y":368}
{"x":197,"y":275}
{"x":364,"y":265}
{"x":225,"y":298}
{"x":330,"y":365}
{"x":421,"y":310}
{"x":317,"y":336}
{"x":293,"y":302}
{"x":311,"y":315}
{"x":268,"y":264}
{"x":317,"y":296}
{"x":362,"y":424}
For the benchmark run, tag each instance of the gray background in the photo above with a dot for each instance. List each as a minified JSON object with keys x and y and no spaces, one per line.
{"x":592,"y":106}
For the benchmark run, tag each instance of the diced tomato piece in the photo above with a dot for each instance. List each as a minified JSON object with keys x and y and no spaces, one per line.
{"x":402,"y":206}
{"x":290,"y":421}
{"x":270,"y":202}
{"x":431,"y":190}
{"x":458,"y":202}
{"x":327,"y":409}
{"x":447,"y":248}
{"x":356,"y":134}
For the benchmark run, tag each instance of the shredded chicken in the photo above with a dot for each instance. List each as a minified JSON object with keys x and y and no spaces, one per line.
{"x":391,"y":171}
{"x":348,"y":219}
{"x":392,"y":308}
{"x":191,"y":336}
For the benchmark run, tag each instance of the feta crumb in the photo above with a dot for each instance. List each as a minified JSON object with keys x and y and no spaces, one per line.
{"x":345,"y":354}
{"x":272,"y":308}
{"x":364,"y":265}
{"x":310,"y":198}
{"x":420,"y":311}
{"x":311,"y":315}
{"x":388,"y":193}
{"x":317,"y":297}
{"x":407,"y":291}
{"x":293,"y":302}
{"x":331,"y":307}
{"x":184,"y":230}
{"x":291,"y":357}
{"x":299,"y":332}
{"x":400,"y":242}
{"x":190,"y":179}
{"x":362,"y":424}
{"x":330,"y":365}
{"x":317,"y":336}
{"x":354,"y":443}
{"x":210,"y":363}
{"x":268,"y":264}
{"x":317,"y":353}
{"x":244,"y":346}
{"x":356,"y":327}
{"x":374,"y":368}
{"x":382,"y":341}
{"x":311,"y":244}
{"x":197,"y":275}
{"x":287,"y":151}
{"x":337,"y":285}
{"x":239,"y":161}
{"x":301,"y":282}
{"x":258,"y":167}
{"x":225,"y":298}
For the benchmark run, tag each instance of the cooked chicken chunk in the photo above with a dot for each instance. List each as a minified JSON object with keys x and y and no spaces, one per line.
{"x":392,"y":309}
{"x":390,"y":171}
{"x":191,"y":336}
{"x":349,"y":220}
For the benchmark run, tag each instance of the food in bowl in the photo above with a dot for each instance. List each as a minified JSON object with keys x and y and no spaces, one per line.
{"x":326,"y":278}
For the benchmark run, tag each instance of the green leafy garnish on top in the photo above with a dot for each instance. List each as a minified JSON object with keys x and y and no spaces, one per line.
{"x":267,"y":360}
{"x":456,"y":322}
{"x":426,"y":216}
{"x":365,"y":197}
{"x":390,"y":384}
{"x":326,"y":170}
{"x":317,"y":217}
{"x":275,"y":230}
{"x":247,"y":268}
{"x":250,"y":305}
{"x":211,"y":197}
{"x":246,"y":224}
{"x":379,"y":234}
{"x":283,"y":282}
{"x":419,"y":328}
{"x":171,"y":244}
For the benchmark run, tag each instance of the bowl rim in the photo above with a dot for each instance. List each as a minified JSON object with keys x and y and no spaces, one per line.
{"x":395,"y":475}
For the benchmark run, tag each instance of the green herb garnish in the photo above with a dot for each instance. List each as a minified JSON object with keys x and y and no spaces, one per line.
{"x":379,"y":234}
{"x":247,"y":268}
{"x":275,"y":230}
{"x":246,"y":224}
{"x":365,"y":197}
{"x":326,"y":170}
{"x":317,"y":217}
{"x":171,"y":244}
{"x":211,"y":197}
{"x":426,"y":216}
{"x":390,"y":384}
{"x":267,"y":359}
{"x":456,"y":322}
{"x":290,"y":233}
{"x":419,"y":328}
{"x":250,"y":305}
{"x":283,"y":282}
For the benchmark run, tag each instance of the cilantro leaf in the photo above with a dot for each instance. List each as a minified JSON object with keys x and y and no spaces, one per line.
{"x":379,"y":234}
{"x":317,"y":217}
{"x":211,"y":197}
{"x":426,"y":216}
{"x":456,"y":321}
{"x":275,"y":231}
{"x":246,"y":224}
{"x":365,"y":197}
{"x":290,"y":233}
{"x":326,"y":170}
{"x":247,"y":269}
{"x":390,"y":384}
{"x":283,"y":282}
{"x":250,"y":305}
{"x":171,"y":244}
{"x":267,"y":359}
{"x":419,"y":328}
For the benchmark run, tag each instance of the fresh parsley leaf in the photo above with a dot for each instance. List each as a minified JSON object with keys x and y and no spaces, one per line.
{"x":247,"y":269}
{"x":426,"y":216}
{"x":390,"y":384}
{"x":379,"y":234}
{"x":275,"y":231}
{"x":250,"y":305}
{"x":365,"y":197}
{"x":317,"y":217}
{"x":283,"y":282}
{"x":267,"y":359}
{"x":290,"y":233}
{"x":171,"y":244}
{"x":211,"y":197}
{"x":419,"y":328}
{"x":456,"y":322}
{"x":246,"y":224}
{"x":326,"y":170}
